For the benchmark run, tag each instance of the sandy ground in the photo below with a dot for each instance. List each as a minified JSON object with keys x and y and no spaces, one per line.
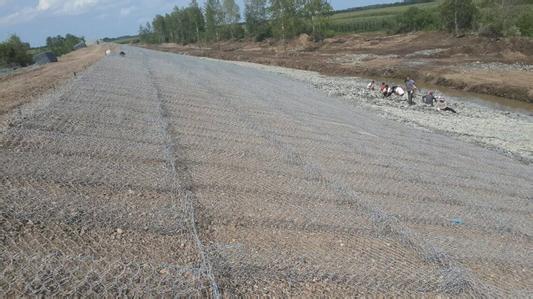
{"x":495,"y":67}
{"x":508,"y":132}
{"x":28,"y":83}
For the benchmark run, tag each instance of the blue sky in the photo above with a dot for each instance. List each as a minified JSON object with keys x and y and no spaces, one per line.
{"x":34,"y":20}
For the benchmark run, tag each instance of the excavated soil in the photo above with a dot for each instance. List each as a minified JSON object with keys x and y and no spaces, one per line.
{"x":462,"y":63}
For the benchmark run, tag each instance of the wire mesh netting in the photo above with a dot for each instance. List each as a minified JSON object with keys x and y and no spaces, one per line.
{"x":156,"y":174}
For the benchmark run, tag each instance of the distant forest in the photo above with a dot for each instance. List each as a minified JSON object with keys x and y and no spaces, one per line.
{"x":283,"y":19}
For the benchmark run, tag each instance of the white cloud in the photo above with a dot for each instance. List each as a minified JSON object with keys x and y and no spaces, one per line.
{"x":100,"y":9}
{"x":21,"y":16}
{"x":126,"y":11}
{"x":78,"y":6}
{"x":62,"y":7}
{"x":44,"y":5}
{"x":68,"y":7}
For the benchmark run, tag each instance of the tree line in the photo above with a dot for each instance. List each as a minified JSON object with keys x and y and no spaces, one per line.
{"x":60,"y":45}
{"x":221,"y":19}
{"x":283,"y":19}
{"x":490,"y":18}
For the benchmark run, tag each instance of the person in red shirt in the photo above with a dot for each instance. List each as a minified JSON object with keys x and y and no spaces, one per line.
{"x":383,"y":87}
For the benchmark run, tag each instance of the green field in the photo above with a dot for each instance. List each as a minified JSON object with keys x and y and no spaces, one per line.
{"x":377,"y":19}
{"x":381,"y":12}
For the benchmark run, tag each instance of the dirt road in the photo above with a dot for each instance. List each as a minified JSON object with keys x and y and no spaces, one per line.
{"x":159,"y":174}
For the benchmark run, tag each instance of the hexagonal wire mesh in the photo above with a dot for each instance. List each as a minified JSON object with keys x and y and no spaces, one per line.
{"x":157,"y":174}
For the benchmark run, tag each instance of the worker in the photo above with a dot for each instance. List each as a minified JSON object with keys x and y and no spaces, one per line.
{"x":383,"y":87}
{"x":385,"y":90}
{"x":371,"y":85}
{"x":397,"y":90}
{"x":443,"y":106}
{"x":411,"y":87}
{"x":429,"y":98}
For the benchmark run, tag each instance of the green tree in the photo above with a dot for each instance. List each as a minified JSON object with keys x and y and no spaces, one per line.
{"x":213,"y":16}
{"x":256,"y":18}
{"x":197,"y":18}
{"x":317,"y":12}
{"x":231,"y":16}
{"x":146,"y":35}
{"x":525,"y":23}
{"x":501,"y":17}
{"x":415,"y":19}
{"x":458,"y":15}
{"x":285,"y":17}
{"x":14,"y":51}
{"x":60,"y":45}
{"x":159,"y":27}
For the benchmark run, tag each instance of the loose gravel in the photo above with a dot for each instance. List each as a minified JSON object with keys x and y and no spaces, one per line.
{"x":497,"y":67}
{"x":164,"y":175}
{"x":508,"y":132}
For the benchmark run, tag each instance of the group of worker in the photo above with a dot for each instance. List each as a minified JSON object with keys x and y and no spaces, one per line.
{"x":410,"y":86}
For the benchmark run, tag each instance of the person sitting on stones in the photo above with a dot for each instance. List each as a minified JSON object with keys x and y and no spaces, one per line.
{"x":397,"y":90}
{"x":371,"y":85}
{"x":429,"y":98}
{"x":443,"y":106}
{"x":385,"y":90}
{"x":383,"y":87}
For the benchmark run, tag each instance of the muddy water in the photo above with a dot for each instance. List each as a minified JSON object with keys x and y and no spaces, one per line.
{"x":494,"y":102}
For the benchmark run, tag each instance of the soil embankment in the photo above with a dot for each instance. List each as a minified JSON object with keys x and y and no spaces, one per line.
{"x":500,"y":67}
{"x":25,"y":84}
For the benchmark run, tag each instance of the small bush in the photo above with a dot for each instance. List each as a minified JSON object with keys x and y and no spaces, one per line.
{"x":491,"y":31}
{"x":13,"y":52}
{"x":415,"y":19}
{"x":62,"y":45}
{"x":264,"y":33}
{"x":525,"y":23}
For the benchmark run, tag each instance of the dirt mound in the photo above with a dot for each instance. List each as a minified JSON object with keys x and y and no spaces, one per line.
{"x":513,"y":56}
{"x":304,"y":42}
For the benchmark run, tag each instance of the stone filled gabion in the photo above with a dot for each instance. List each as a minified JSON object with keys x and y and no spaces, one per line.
{"x":44,"y":58}
{"x":164,"y":175}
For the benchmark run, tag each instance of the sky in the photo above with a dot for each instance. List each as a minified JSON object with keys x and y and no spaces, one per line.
{"x":34,"y":20}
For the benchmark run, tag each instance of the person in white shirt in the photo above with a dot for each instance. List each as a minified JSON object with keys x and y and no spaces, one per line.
{"x":443,"y":106}
{"x":371,"y":85}
{"x":397,"y":90}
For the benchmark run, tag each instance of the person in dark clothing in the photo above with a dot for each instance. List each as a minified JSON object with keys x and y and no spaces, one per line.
{"x":411,"y":87}
{"x":429,"y":99}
